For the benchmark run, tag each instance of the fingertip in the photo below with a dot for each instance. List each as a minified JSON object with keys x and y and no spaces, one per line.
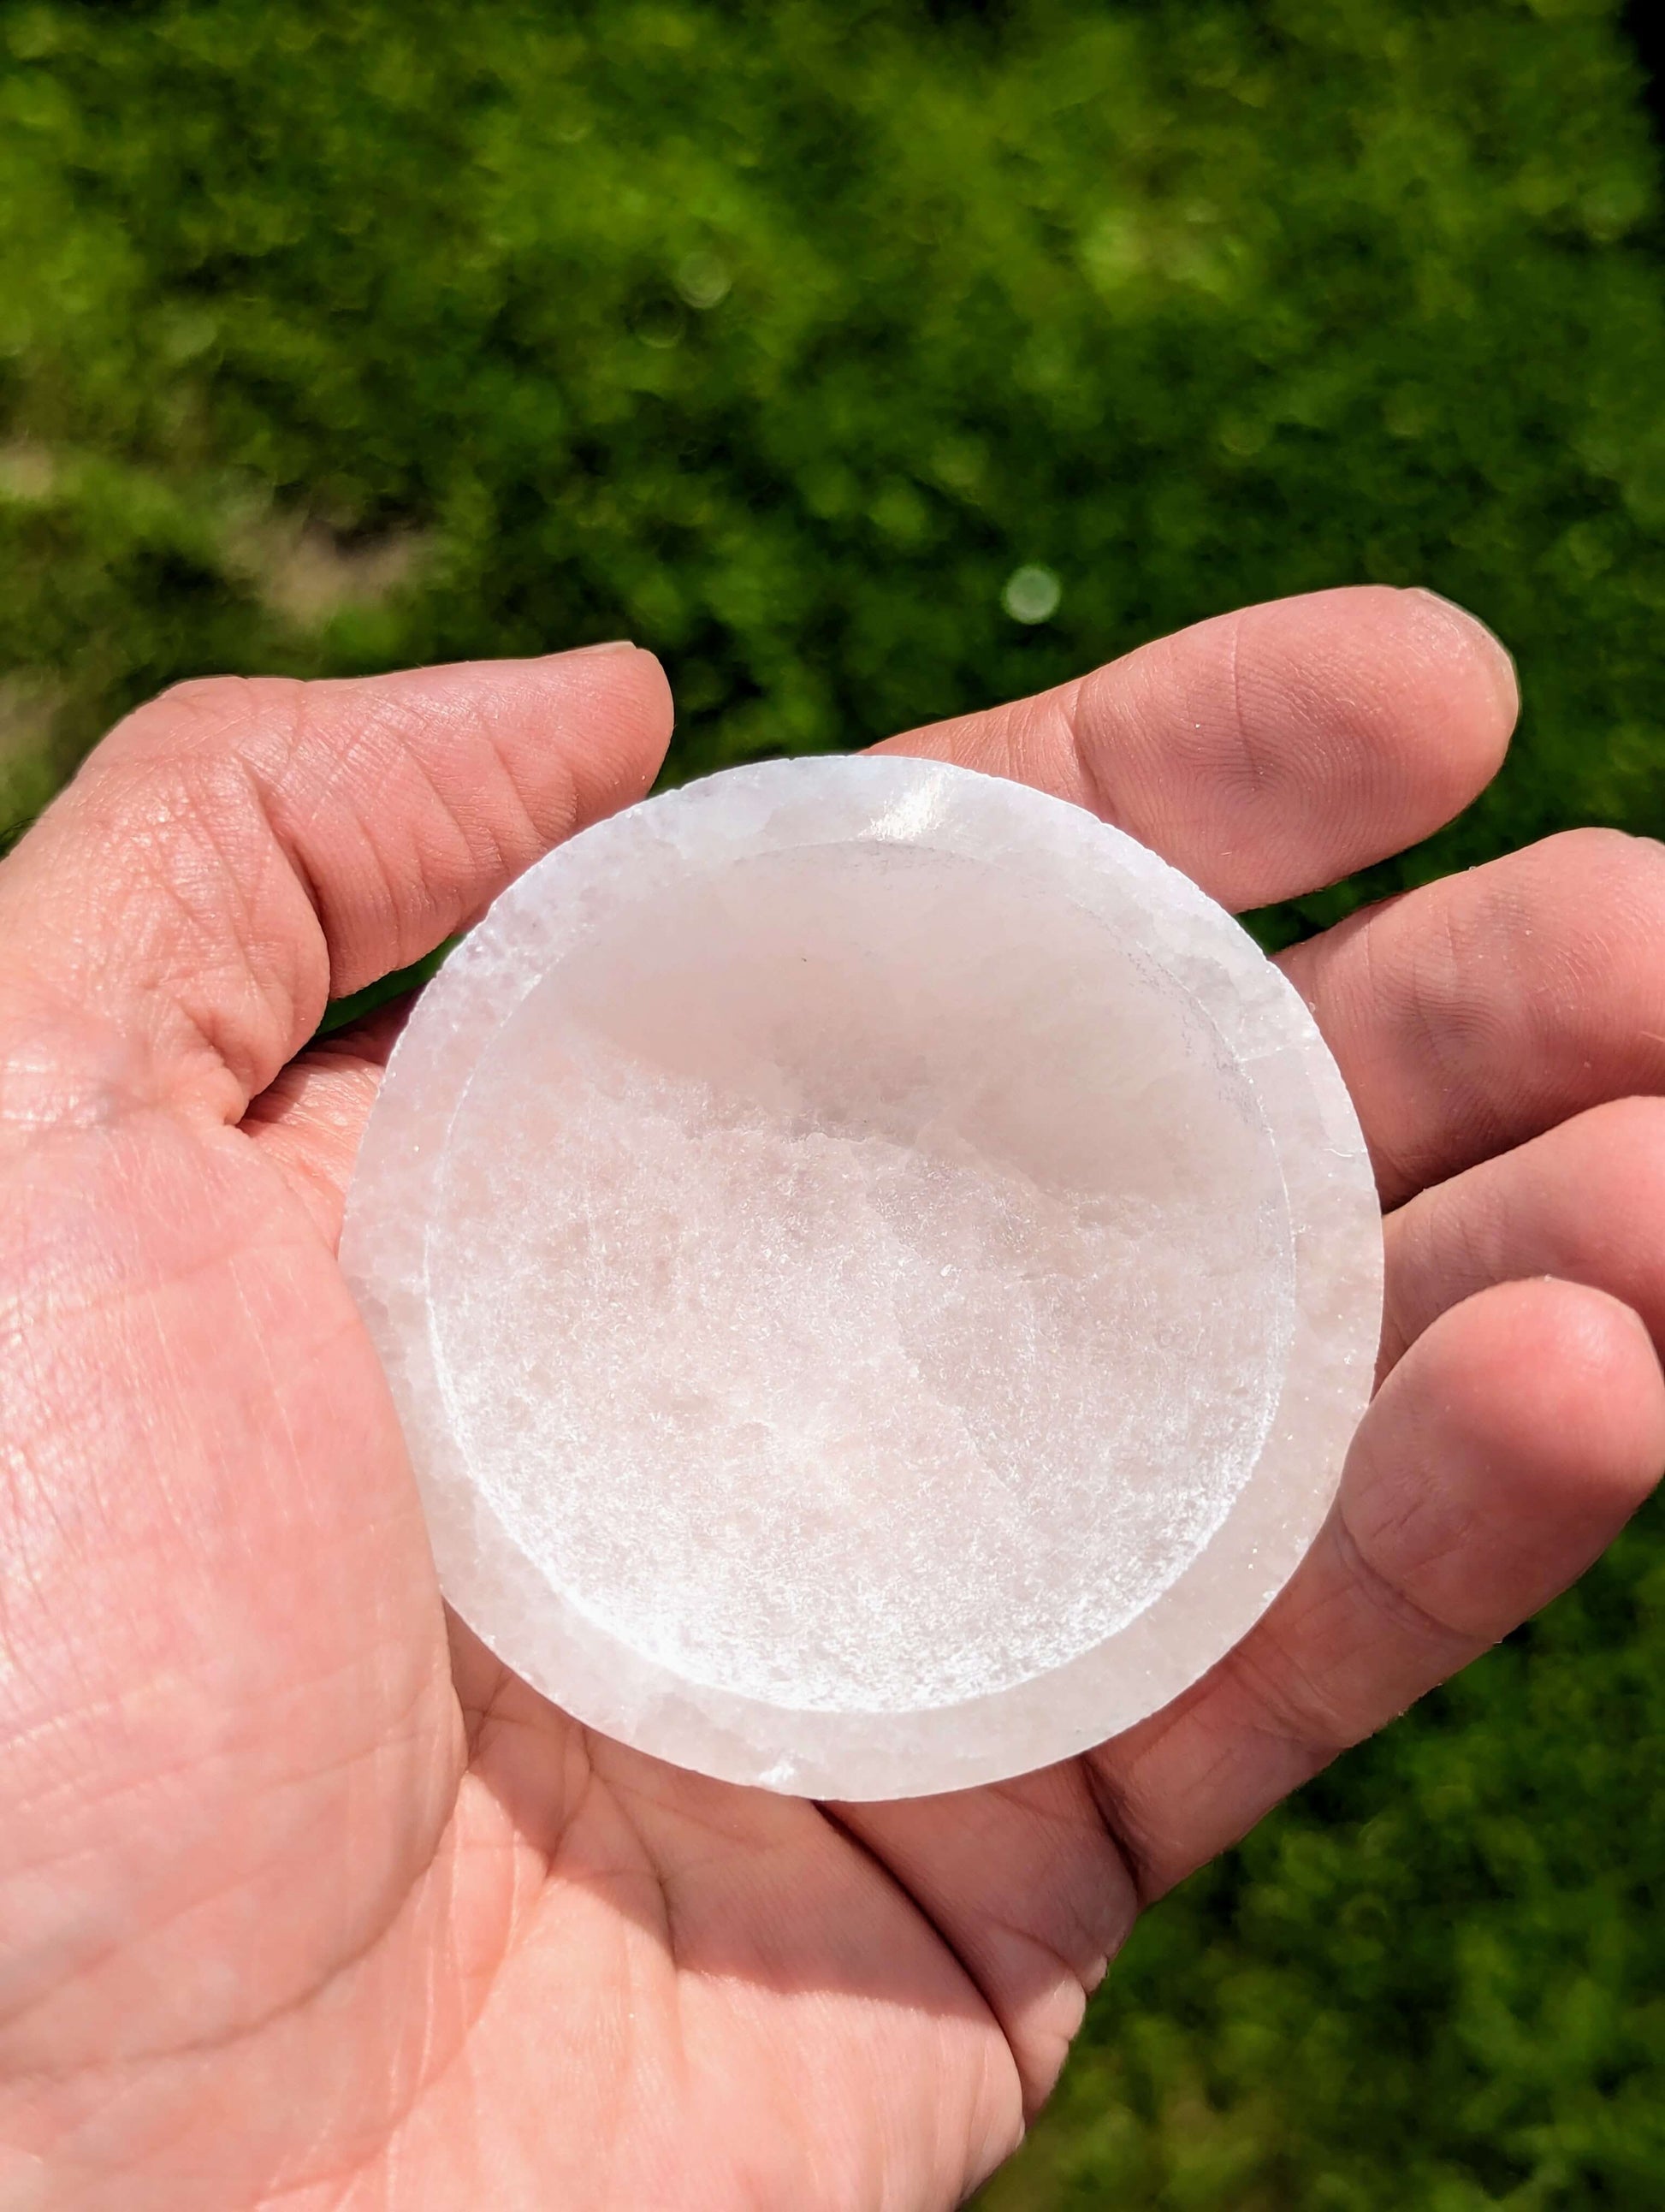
{"x":1281,"y":746}
{"x":1584,"y":1202}
{"x":616,"y":669}
{"x":1477,"y":641}
{"x":618,"y":696}
{"x":1547,"y":1370}
{"x":1370,"y":716}
{"x":1466,"y":655}
{"x":1509,"y":1446}
{"x":1599,"y":1392}
{"x":653,"y":717}
{"x":1417,"y":692}
{"x":647,"y":673}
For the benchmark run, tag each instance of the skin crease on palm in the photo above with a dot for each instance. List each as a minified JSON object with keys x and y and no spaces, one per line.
{"x":304,"y":1903}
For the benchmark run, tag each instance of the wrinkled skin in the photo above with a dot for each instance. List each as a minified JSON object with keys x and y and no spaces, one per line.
{"x":303,"y":1901}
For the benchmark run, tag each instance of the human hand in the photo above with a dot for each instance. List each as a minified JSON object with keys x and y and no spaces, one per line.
{"x":303,"y":1902}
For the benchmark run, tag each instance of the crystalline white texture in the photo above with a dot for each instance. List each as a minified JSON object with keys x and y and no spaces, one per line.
{"x":878,"y":1272}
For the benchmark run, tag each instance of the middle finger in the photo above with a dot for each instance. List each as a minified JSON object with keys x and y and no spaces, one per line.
{"x":1478,"y":1011}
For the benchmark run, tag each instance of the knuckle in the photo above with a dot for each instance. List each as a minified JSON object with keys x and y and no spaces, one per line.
{"x":1293,"y":1706}
{"x":203,"y":713}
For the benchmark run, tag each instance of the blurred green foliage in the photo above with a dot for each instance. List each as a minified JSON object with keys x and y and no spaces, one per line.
{"x":871,"y":363}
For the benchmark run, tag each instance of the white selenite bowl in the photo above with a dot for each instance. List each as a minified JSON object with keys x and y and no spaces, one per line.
{"x":878,"y":1272}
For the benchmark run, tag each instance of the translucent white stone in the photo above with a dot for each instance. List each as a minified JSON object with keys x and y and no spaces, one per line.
{"x":878,"y":1272}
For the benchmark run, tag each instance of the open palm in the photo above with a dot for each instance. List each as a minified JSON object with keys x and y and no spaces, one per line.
{"x":304,"y":1902}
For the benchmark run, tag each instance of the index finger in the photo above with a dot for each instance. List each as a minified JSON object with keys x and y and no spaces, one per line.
{"x":1271,"y":751}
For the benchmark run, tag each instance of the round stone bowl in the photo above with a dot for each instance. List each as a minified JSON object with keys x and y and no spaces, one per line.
{"x":878,"y":1272}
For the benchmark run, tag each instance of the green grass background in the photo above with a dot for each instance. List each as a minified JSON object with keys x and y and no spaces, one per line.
{"x":779,"y":337}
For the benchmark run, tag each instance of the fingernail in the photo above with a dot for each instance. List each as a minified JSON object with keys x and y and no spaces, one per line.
{"x":1498,"y":658}
{"x":609,"y":645}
